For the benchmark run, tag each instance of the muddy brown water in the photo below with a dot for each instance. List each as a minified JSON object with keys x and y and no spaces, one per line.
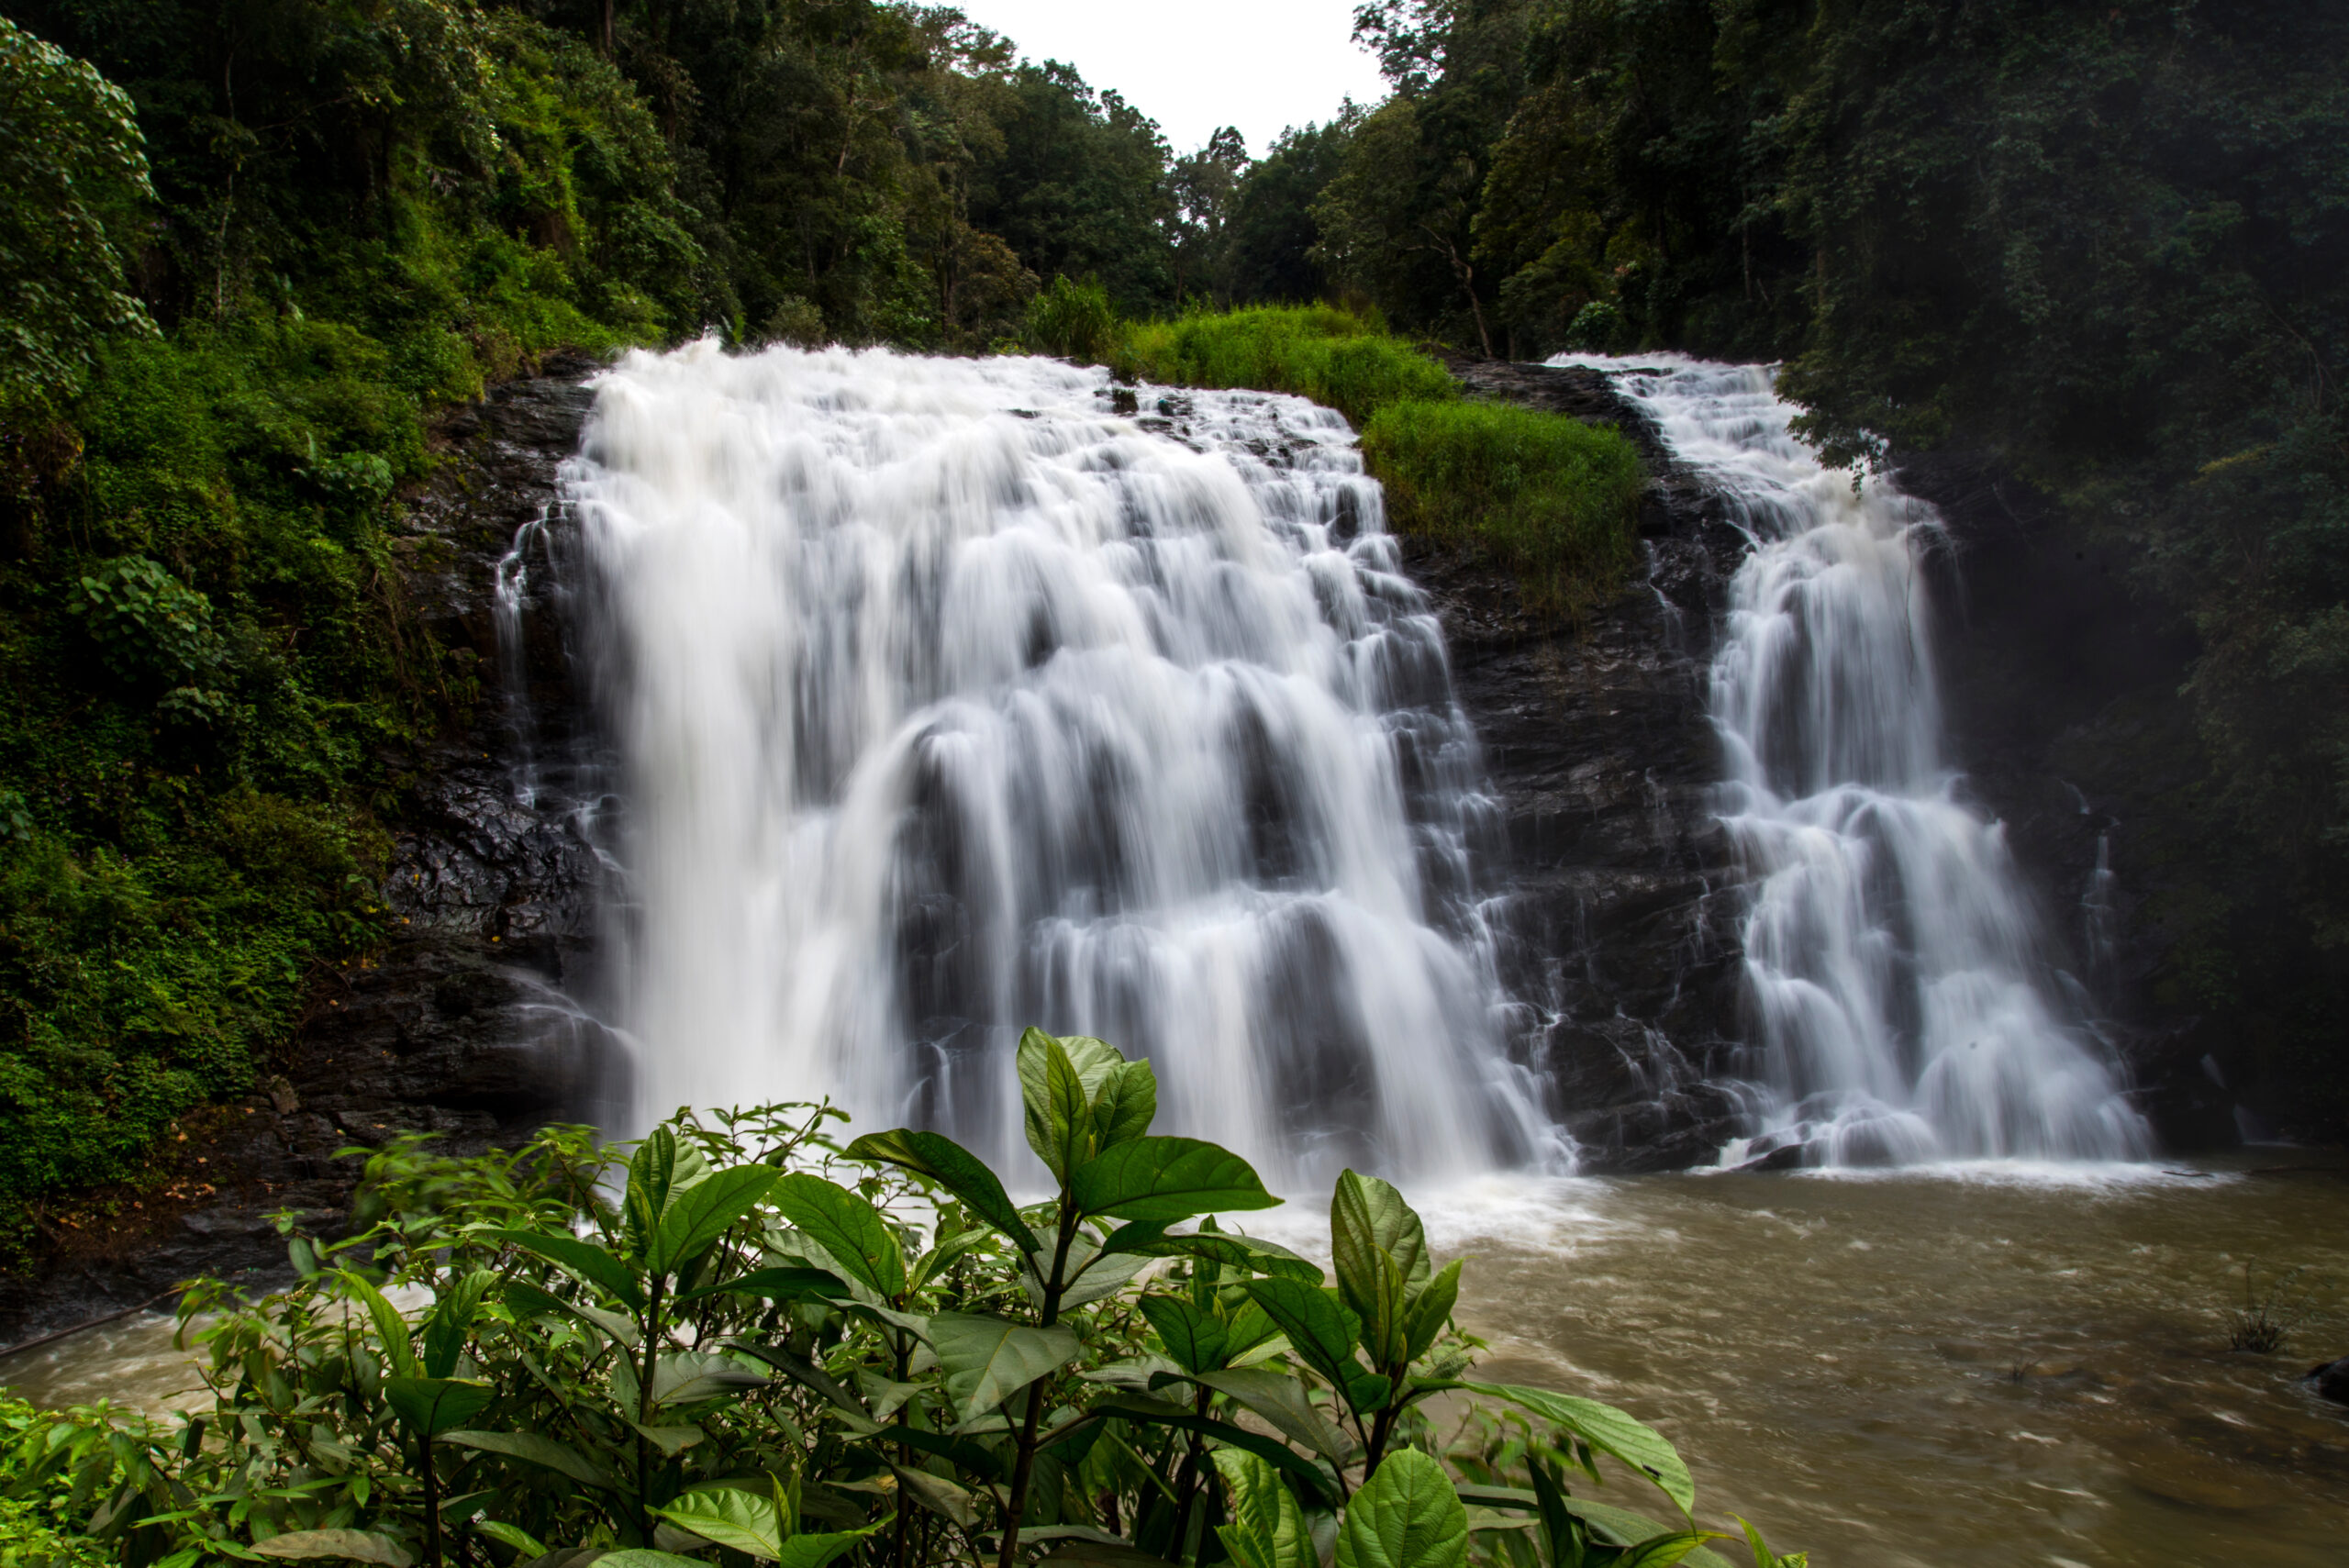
{"x":2000,"y":1366}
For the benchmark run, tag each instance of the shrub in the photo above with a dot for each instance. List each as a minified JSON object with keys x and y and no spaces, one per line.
{"x":1549,"y":496}
{"x":1072,"y":320}
{"x":754,"y":1343}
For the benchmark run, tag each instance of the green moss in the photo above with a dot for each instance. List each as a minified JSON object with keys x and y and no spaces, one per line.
{"x":1553,"y":498}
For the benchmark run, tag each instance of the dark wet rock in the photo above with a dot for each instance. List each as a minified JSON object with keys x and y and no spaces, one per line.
{"x":463,"y":1025}
{"x":1620,"y":933}
{"x":2331,"y":1379}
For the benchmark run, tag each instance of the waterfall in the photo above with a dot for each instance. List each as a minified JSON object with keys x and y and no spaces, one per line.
{"x":1902,"y":1009}
{"x":951,"y":701}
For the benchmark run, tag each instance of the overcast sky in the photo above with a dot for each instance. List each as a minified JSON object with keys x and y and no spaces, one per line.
{"x":1193,"y":65}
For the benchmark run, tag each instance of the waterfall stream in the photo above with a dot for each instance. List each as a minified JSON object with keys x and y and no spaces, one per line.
{"x":1904,"y":1011}
{"x":953,"y":702}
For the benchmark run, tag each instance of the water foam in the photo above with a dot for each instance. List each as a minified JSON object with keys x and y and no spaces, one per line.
{"x":952,"y":701}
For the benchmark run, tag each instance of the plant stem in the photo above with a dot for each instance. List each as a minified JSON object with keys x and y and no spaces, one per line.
{"x":644,"y":1410}
{"x":1025,"y":1465}
{"x":1186,"y":1484}
{"x":431,"y":1502}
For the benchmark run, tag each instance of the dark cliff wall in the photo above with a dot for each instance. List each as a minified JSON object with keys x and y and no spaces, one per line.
{"x":462,"y":1025}
{"x":1618,"y":935}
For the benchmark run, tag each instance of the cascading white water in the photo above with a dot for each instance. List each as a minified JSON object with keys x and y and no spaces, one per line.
{"x":951,"y":703}
{"x":1892,"y":958}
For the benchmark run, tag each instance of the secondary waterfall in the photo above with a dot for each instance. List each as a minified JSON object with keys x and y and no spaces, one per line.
{"x":952,"y":701}
{"x":1893,"y":961}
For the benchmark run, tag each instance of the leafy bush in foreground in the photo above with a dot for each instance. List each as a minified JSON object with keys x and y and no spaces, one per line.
{"x":754,"y":1345}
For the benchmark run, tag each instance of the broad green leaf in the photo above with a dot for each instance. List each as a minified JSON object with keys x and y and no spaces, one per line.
{"x":430,"y":1406}
{"x":1762,"y":1556}
{"x":515,"y":1536}
{"x":663,"y":1166}
{"x":1247,"y":1328}
{"x":1166,"y":1179}
{"x":671,"y":1440}
{"x":1232,"y":1250}
{"x":1319,"y":1328}
{"x":1091,"y":1273}
{"x":1608,"y":1430}
{"x":1664,"y":1551}
{"x":1406,"y":1515}
{"x":451,"y":1320}
{"x":1429,"y":1311}
{"x":1366,"y":1213}
{"x":390,"y":1327}
{"x":772,"y":1284}
{"x":814,"y":1551}
{"x":698,"y":1215}
{"x":847,"y":1227}
{"x":800,"y":1370}
{"x":584,"y":1259}
{"x":1157,"y":1412}
{"x":1612,"y":1525}
{"x":987,"y":1360}
{"x":1267,"y":1528}
{"x":1125,"y":1105}
{"x":527,"y":1300}
{"x":642,"y":1557}
{"x":938,"y":1495}
{"x":351,"y":1545}
{"x":689,"y":1377}
{"x":741,"y":1520}
{"x":532,"y":1448}
{"x":954,"y":1167}
{"x":1280,"y":1399}
{"x":942,"y":1256}
{"x":1192,"y":1337}
{"x":1056,"y":1106}
{"x":1379,"y":1299}
{"x":1557,"y":1523}
{"x":1379,"y":1251}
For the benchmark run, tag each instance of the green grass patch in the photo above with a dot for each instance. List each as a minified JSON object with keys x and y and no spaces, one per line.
{"x":1552,"y":497}
{"x":1334,"y":356}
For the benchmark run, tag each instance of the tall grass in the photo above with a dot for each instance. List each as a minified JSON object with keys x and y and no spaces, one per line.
{"x":1550,"y":497}
{"x":1332,"y":356}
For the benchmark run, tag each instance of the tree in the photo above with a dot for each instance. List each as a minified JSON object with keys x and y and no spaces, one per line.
{"x":73,"y":175}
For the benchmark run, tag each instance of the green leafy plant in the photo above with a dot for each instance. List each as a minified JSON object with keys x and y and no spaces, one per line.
{"x":746,"y":1341}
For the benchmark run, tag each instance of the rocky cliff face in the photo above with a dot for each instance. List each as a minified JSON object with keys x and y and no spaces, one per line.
{"x":460,"y":1027}
{"x":1619,"y":933}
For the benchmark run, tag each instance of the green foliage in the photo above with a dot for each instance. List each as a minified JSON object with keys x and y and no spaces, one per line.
{"x":739,"y":1337}
{"x":1072,"y":320}
{"x":71,"y":168}
{"x":1556,"y":498}
{"x":1332,"y":356}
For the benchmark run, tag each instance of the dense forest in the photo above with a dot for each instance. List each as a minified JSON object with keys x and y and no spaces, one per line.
{"x":248,"y":247}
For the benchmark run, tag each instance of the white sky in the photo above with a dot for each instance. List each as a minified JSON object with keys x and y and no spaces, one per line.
{"x":1193,"y":65}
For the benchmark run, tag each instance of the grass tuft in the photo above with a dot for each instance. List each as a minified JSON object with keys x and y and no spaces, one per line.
{"x":1334,"y":356}
{"x":1552,"y":498}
